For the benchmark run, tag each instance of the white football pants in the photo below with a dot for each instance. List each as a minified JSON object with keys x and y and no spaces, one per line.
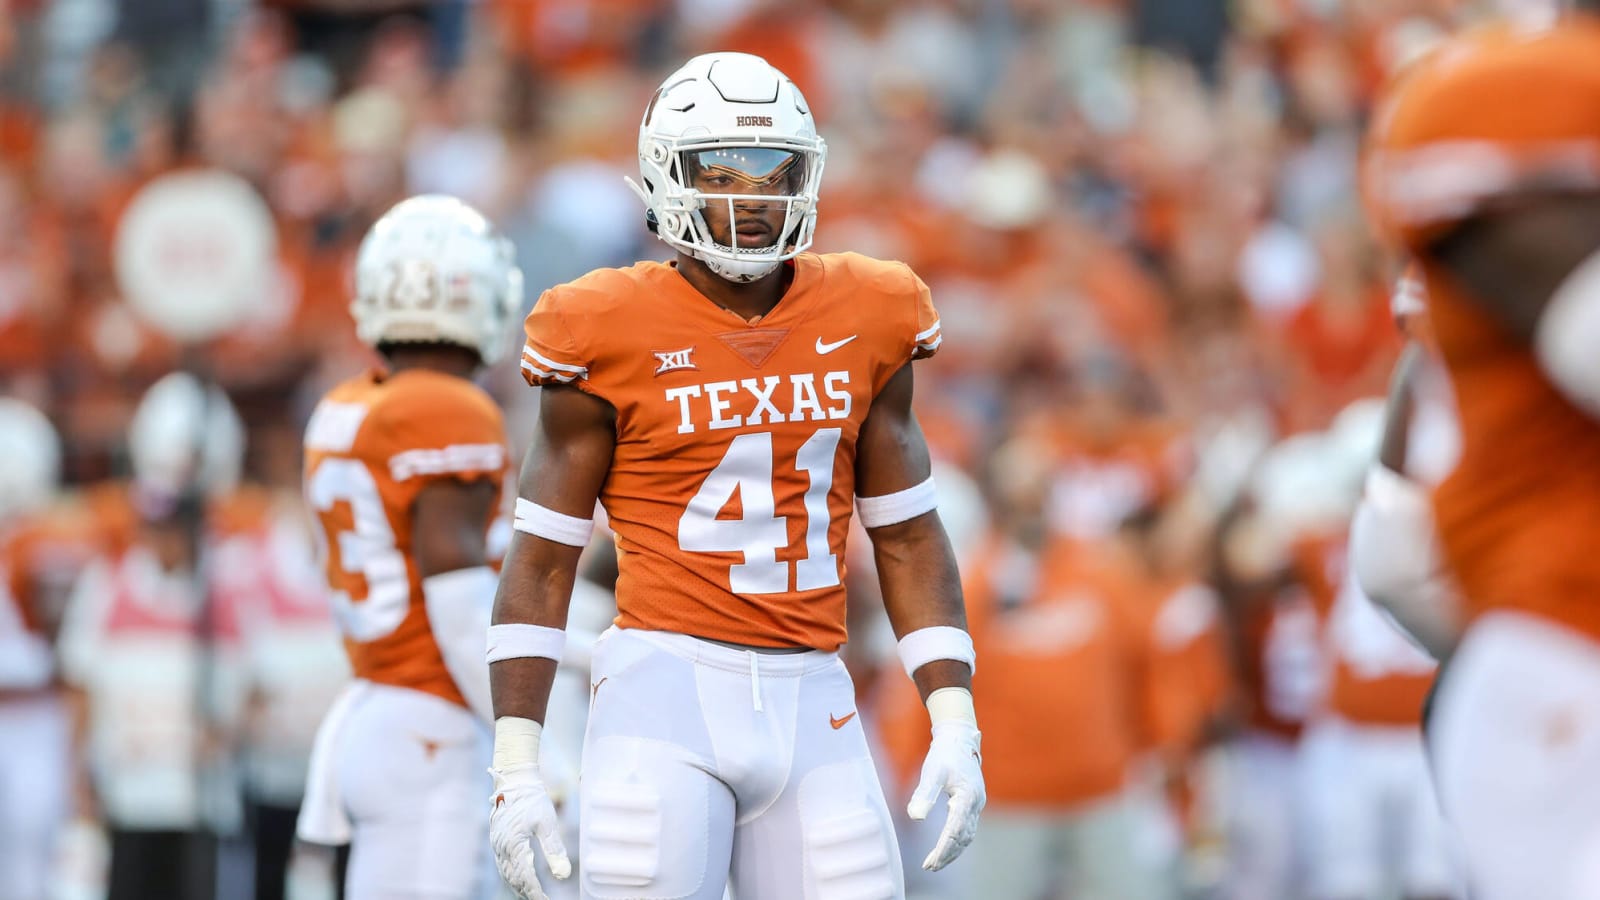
{"x":706,"y":766}
{"x":1371,"y":815}
{"x":1265,"y":856}
{"x":1516,"y":746}
{"x":1107,"y":850}
{"x":34,"y":754}
{"x":403,"y":777}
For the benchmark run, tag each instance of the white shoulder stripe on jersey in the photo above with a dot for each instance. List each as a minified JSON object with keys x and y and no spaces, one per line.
{"x":930,"y":332}
{"x":1446,"y":179}
{"x":931,"y":345}
{"x":551,"y":365}
{"x":446,"y":460}
{"x":545,"y":374}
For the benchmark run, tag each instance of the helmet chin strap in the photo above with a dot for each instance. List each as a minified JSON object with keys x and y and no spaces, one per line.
{"x":738,"y":271}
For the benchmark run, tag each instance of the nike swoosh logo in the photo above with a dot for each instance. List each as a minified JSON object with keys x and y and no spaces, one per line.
{"x":825,"y":349}
{"x":839,"y":723}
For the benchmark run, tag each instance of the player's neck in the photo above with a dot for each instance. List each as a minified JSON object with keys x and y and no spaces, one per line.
{"x":451,"y":360}
{"x":749,"y":300}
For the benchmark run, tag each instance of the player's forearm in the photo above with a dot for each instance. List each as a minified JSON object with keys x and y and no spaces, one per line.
{"x":536,"y":583}
{"x":521,"y":687}
{"x":917,"y":572}
{"x":921,"y":590}
{"x":535,"y":590}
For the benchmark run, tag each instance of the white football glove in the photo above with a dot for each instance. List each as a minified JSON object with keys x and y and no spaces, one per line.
{"x":524,"y":812}
{"x":954,"y":766}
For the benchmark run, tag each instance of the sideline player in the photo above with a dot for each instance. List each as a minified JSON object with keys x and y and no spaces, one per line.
{"x":727,"y":409}
{"x":403,"y":470}
{"x":1485,"y":170}
{"x":34,"y":745}
{"x":149,"y":646}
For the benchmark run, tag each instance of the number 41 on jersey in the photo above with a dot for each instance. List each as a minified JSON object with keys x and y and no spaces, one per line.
{"x":747,"y":467}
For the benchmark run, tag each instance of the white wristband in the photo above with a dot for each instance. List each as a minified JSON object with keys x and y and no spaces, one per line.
{"x":952,"y":704}
{"x":540,"y":521}
{"x":516,"y":742}
{"x":891,"y":509}
{"x":925,"y":645}
{"x":518,"y":641}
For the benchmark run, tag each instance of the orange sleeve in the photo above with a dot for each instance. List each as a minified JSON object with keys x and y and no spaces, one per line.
{"x":1494,"y":112}
{"x":553,"y":354}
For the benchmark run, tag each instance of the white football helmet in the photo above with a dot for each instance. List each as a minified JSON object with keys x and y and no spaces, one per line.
{"x":735,"y":112}
{"x":434,"y":270}
{"x":181,"y":437}
{"x":32,"y":453}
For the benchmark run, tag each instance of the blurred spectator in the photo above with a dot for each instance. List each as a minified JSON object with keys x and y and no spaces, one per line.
{"x":1067,"y":637}
{"x":152,"y":642}
{"x":295,"y":666}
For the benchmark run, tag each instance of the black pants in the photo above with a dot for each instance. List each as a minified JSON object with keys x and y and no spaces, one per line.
{"x":273,"y":830}
{"x":273,"y":833}
{"x":180,"y":865}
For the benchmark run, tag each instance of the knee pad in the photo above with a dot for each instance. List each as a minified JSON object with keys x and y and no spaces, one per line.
{"x":849,"y":839}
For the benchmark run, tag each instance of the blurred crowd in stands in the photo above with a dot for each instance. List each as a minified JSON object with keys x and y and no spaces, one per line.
{"x":1140,"y":223}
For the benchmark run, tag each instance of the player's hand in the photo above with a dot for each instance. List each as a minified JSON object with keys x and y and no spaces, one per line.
{"x":953,"y":767}
{"x":523,"y":812}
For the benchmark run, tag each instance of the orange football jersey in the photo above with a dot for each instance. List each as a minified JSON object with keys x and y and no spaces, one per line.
{"x":1190,"y":683}
{"x":1278,"y":659}
{"x":1489,"y":115}
{"x":1377,"y":676}
{"x":40,"y":555}
{"x":734,"y":471}
{"x":371,"y":446}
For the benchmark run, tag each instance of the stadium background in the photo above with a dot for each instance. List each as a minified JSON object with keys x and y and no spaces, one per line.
{"x":1139,"y":219}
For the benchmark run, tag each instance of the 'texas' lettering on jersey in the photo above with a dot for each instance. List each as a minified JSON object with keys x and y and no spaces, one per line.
{"x":770,"y":399}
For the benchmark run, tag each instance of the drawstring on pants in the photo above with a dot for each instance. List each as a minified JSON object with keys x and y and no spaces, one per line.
{"x":755,"y":679}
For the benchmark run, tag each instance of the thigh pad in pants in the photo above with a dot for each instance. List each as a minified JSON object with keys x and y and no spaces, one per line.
{"x":652,"y":820}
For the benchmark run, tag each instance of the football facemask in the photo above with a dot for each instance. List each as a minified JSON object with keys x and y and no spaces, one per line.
{"x":728,"y":128}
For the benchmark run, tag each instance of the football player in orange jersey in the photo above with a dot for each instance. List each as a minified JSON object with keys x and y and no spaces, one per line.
{"x":1485,"y":170}
{"x":728,"y":409}
{"x":404,"y":467}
